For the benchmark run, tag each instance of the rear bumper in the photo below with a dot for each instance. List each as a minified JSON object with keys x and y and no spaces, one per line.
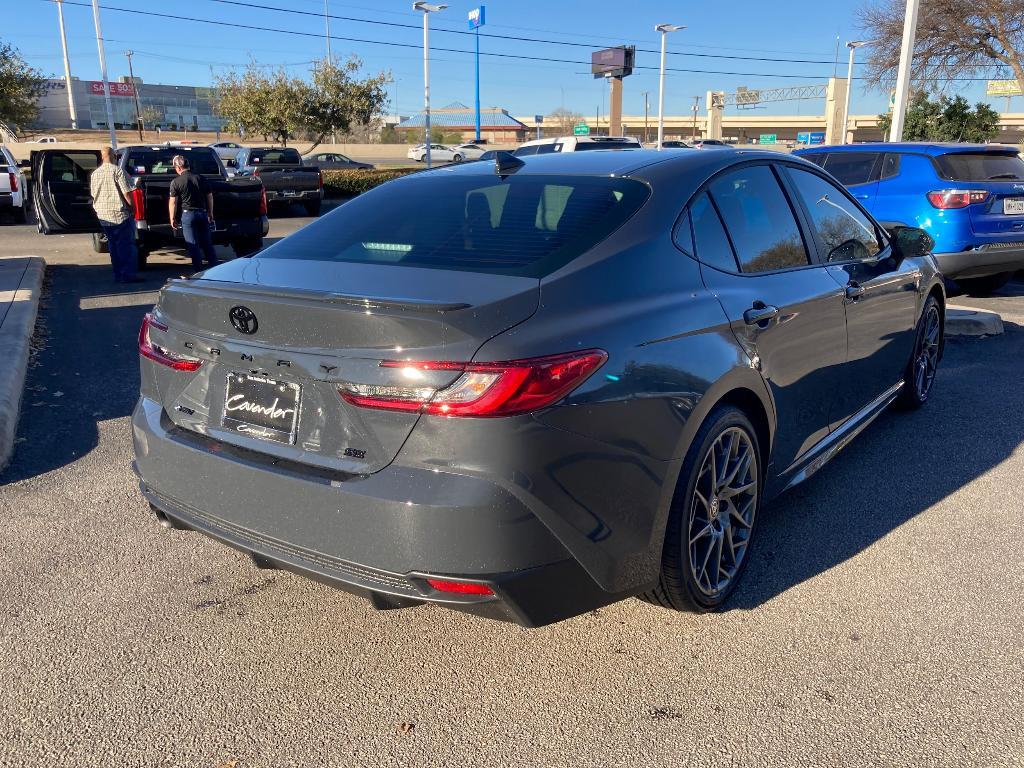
{"x":227,"y":232}
{"x":6,"y":200}
{"x":304,"y":196}
{"x":981,"y":262}
{"x":378,"y":535}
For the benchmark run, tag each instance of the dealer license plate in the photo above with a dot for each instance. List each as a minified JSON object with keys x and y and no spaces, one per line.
{"x":260,"y":407}
{"x":1013,"y":206}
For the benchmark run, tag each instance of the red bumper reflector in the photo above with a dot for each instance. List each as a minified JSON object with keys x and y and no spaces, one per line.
{"x":460,"y":587}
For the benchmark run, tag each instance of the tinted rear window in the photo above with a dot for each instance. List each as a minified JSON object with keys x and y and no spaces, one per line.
{"x":142,"y":162}
{"x":520,"y":225}
{"x":981,"y":166}
{"x":275,"y":157}
{"x":583,"y":146}
{"x":852,"y":167}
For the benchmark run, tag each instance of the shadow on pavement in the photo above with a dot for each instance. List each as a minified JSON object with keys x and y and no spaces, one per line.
{"x":899,"y":467}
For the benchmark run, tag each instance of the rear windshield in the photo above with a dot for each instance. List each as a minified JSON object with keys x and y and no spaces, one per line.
{"x":583,"y":146}
{"x":157,"y":161}
{"x":520,"y":225}
{"x":981,"y":166}
{"x":275,"y":157}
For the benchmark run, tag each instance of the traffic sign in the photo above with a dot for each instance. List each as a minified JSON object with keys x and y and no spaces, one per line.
{"x":581,"y":129}
{"x":538,"y":119}
{"x":810,"y":137}
{"x":766,"y":138}
{"x":818,"y":137}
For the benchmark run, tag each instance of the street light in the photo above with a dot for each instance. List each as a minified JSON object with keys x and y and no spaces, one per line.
{"x":664,"y":29}
{"x":853,"y":45}
{"x":899,"y":109}
{"x":427,"y":9}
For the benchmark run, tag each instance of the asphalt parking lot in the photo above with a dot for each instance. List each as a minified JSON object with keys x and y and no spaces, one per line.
{"x":879,"y":622}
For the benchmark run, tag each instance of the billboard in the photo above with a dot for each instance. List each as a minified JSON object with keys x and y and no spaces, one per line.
{"x":1004,"y":88}
{"x":116,"y":89}
{"x":613,"y":62}
{"x":476,"y":18}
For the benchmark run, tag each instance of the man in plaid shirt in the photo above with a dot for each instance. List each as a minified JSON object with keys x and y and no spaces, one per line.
{"x":110,"y":195}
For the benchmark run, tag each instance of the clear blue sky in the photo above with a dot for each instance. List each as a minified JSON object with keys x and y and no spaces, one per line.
{"x":190,"y":52}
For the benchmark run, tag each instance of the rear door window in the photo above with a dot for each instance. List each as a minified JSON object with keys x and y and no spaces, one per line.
{"x":818,"y":158}
{"x":981,"y":166}
{"x":520,"y":225}
{"x":852,"y":168}
{"x":890,"y":166}
{"x":758,"y":218}
{"x":844,"y":232}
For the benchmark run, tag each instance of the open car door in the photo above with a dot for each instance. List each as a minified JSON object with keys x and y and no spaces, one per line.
{"x":60,"y":190}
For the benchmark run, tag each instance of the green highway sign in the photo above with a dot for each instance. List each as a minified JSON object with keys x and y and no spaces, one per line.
{"x":766,"y":138}
{"x":581,"y":129}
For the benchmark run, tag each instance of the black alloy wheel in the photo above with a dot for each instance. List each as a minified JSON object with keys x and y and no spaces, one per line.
{"x":924,"y":361}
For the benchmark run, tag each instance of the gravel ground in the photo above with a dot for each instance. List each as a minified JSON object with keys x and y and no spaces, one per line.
{"x":879,"y":622}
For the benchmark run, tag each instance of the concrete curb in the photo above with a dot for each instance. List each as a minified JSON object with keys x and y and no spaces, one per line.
{"x":16,"y":331}
{"x":964,"y":321}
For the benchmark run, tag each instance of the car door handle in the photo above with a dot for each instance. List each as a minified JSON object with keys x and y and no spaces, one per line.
{"x":854,"y":291}
{"x":760,"y":313}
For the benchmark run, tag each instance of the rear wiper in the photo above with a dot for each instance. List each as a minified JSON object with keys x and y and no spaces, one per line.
{"x":1013,"y":176}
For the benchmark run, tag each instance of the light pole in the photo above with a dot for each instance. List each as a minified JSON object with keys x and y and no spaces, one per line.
{"x":103,"y":73}
{"x":647,"y":106}
{"x":427,"y":9}
{"x":67,"y":66}
{"x":853,"y":45}
{"x":135,"y":90}
{"x":330,"y":58}
{"x":664,"y":29}
{"x":899,"y":109}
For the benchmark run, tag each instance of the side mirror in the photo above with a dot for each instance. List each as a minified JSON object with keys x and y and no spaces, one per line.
{"x":908,"y":242}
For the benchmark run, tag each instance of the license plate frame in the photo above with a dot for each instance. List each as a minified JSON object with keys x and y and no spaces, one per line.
{"x":253,"y":407}
{"x":1013,"y":206}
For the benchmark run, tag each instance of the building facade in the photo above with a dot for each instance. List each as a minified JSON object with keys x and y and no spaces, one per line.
{"x":169,"y":106}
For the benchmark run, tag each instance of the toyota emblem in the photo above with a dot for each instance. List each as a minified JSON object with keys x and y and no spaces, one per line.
{"x":243,"y":320}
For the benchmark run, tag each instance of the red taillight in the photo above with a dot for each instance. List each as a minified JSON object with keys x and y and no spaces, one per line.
{"x":263,"y":202}
{"x":14,"y":182}
{"x":139,"y":203}
{"x":483,"y":390}
{"x":947,"y":199}
{"x":160,"y":355}
{"x":460,"y":587}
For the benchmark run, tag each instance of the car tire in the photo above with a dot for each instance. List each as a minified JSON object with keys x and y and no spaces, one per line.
{"x":982,"y":286}
{"x":247,"y":246}
{"x":99,"y":243}
{"x":313,"y":208}
{"x":709,"y":505}
{"x":919,"y":376}
{"x":457,"y":158}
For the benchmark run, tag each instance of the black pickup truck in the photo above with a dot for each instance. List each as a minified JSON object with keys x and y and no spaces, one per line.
{"x":284,"y":176}
{"x":63,"y":204}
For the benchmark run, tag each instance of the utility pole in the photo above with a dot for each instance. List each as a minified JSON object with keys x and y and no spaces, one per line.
{"x":899,"y":110}
{"x":103,"y":73}
{"x":853,"y":45}
{"x":646,"y":107}
{"x":67,"y":66}
{"x":330,"y":58}
{"x":695,"y":108}
{"x":135,"y":90}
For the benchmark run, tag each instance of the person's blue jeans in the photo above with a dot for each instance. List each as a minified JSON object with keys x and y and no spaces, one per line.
{"x":123,"y":255}
{"x":195,"y":226}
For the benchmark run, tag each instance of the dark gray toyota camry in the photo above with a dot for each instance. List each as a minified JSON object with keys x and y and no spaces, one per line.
{"x":527,"y":388}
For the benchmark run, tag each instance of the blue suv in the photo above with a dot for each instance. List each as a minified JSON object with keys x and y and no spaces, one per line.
{"x":968,"y":197}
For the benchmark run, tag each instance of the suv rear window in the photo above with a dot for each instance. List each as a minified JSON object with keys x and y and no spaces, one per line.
{"x":520,"y":225}
{"x":981,"y":166}
{"x":145,"y":161}
{"x":276,"y":157}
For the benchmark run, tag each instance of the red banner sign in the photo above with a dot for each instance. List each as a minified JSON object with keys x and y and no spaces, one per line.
{"x":116,"y":89}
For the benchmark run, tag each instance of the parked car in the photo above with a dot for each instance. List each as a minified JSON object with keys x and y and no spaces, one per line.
{"x":575,"y":144}
{"x":439,"y":153}
{"x":968,"y":197}
{"x":13,"y":190}
{"x":334,"y":161}
{"x":43,"y":140}
{"x":63,"y":203}
{"x":285,"y":178}
{"x":530,"y":393}
{"x":670,"y":144}
{"x":469,"y":151}
{"x":710,"y":144}
{"x":227,"y":151}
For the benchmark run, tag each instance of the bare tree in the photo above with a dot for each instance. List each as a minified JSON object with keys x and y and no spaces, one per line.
{"x":954,"y":39}
{"x":564,"y":120}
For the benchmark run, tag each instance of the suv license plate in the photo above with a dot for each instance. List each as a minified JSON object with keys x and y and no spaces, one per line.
{"x":1013,"y":206}
{"x":263,"y":408}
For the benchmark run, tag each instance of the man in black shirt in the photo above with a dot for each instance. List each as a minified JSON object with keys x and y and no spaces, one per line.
{"x":195,"y":217}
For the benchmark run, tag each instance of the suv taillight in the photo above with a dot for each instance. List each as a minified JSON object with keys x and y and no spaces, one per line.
{"x":483,"y":390}
{"x":946,"y":199}
{"x":263,"y":202}
{"x":14,"y":181}
{"x":139,"y":203}
{"x":149,"y":349}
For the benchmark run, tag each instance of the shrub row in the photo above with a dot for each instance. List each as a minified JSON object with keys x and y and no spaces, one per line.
{"x":355,"y":182}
